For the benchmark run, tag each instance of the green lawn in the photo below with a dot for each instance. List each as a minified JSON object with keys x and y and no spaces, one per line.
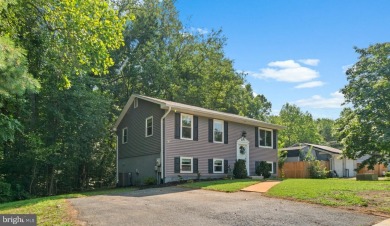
{"x":368,"y":195}
{"x":222,"y":185}
{"x":53,"y":210}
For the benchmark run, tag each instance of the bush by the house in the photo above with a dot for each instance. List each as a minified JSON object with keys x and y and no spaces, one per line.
{"x":239,"y":170}
{"x":263,"y":168}
{"x":387,"y":174}
{"x":316,"y":170}
{"x":150,"y":181}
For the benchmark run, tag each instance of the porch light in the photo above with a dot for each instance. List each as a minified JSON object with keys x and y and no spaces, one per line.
{"x":243,"y":135}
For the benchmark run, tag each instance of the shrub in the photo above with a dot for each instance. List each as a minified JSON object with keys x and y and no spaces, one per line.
{"x":239,"y":170}
{"x":150,"y":181}
{"x":316,"y":170}
{"x":387,"y":174}
{"x":5,"y":192}
{"x":369,"y":177}
{"x":263,"y":169}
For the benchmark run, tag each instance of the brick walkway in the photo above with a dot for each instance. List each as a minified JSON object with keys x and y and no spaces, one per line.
{"x":261,"y":187}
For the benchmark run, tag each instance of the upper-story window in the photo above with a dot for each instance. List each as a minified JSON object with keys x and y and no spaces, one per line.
{"x":265,"y":137}
{"x":149,"y":126}
{"x":186,"y":124}
{"x":135,"y":102}
{"x":124,"y":135}
{"x":218,"y":131}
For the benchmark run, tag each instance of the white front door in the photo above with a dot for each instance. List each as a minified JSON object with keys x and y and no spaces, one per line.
{"x":243,"y":151}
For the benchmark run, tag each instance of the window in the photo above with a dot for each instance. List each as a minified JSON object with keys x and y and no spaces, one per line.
{"x":218,"y":166}
{"x":149,"y":127}
{"x":218,"y":131}
{"x":124,"y":135}
{"x":272,"y":166}
{"x":186,"y":165}
{"x":186,"y":126}
{"x":135,"y":102}
{"x":265,"y":138}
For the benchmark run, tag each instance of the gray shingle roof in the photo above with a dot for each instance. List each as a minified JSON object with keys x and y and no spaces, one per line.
{"x":185,"y":108}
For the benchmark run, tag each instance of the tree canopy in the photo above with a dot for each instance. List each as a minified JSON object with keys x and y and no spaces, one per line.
{"x":364,"y":129}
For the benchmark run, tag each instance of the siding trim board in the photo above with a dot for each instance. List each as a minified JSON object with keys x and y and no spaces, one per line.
{"x":211,"y":125}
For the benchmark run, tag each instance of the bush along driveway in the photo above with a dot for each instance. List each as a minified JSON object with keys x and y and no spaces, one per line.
{"x":366,"y":196}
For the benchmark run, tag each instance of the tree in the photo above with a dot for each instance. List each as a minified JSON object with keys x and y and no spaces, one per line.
{"x":365,"y":128}
{"x":14,"y":82}
{"x":325,"y":128}
{"x":163,"y":59}
{"x":65,"y":143}
{"x":301,"y":127}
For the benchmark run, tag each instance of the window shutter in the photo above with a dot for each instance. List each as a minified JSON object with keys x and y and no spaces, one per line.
{"x":210,"y":166}
{"x":226,"y":166}
{"x":275,"y":139}
{"x":195,"y":128}
{"x":225,"y":131}
{"x":211,"y":130}
{"x":177,"y":125}
{"x":274,"y":167}
{"x":256,"y":137}
{"x":257,"y":163}
{"x":195,"y":165}
{"x":177,"y":165}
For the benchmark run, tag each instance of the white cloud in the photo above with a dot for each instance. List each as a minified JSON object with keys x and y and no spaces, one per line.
{"x":284,"y":64}
{"x":254,"y":94}
{"x":286,"y":71}
{"x":199,"y":30}
{"x":317,"y":101}
{"x":310,"y":84}
{"x":310,"y":62}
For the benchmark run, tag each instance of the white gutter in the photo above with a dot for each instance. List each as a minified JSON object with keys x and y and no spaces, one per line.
{"x":162,"y":142}
{"x":117,"y":161}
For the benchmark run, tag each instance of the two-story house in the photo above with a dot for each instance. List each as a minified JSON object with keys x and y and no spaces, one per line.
{"x":166,"y":140}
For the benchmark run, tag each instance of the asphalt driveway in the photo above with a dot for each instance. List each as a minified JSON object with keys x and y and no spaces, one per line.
{"x":180,"y":206}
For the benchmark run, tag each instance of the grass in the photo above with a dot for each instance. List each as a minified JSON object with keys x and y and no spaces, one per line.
{"x":374,"y":196}
{"x":52,"y":210}
{"x":222,"y":185}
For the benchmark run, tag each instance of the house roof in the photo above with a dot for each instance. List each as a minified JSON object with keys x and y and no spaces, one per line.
{"x":326,"y":148}
{"x":321,"y":147}
{"x":293,"y":148}
{"x":165,"y":104}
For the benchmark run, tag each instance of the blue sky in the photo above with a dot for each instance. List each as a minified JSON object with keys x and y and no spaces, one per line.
{"x":293,"y":51}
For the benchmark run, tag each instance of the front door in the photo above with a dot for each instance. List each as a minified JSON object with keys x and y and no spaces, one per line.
{"x":243,"y":151}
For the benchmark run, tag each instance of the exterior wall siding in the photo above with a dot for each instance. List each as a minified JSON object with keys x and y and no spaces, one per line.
{"x":144,"y":165}
{"x":134,"y":120}
{"x":204,"y":150}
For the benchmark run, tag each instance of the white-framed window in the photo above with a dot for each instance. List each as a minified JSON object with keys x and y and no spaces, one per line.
{"x":265,"y":137}
{"x":124,"y":135}
{"x":186,"y":164}
{"x":135,"y":102}
{"x":186,"y":126}
{"x":218,"y":166}
{"x":149,"y":126}
{"x":272,"y":166}
{"x":218,"y":131}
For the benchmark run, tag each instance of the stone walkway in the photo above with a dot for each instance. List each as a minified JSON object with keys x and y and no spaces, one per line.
{"x":261,"y":187}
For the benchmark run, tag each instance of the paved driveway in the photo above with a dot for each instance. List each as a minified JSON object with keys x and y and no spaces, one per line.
{"x":180,"y":206}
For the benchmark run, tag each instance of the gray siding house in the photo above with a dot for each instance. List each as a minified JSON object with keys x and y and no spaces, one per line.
{"x":165,"y":140}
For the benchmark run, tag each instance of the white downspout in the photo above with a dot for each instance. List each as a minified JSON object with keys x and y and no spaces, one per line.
{"x":117,"y":160}
{"x":162,"y":131}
